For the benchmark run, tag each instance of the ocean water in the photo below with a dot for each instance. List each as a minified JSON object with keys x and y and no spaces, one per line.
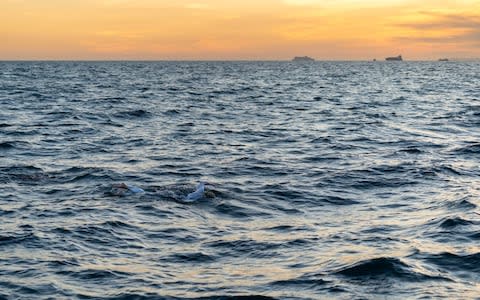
{"x":328,"y":180}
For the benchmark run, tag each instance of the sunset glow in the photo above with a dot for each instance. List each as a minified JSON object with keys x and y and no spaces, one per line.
{"x":222,"y":29}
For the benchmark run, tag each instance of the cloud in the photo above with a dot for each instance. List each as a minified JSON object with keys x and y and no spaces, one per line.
{"x":444,"y":28}
{"x":471,"y":38}
{"x":439,"y":21}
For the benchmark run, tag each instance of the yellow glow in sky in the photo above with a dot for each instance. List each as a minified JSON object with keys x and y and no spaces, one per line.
{"x":247,"y":29}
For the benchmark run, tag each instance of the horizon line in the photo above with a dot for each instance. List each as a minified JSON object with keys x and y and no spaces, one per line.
{"x":224,"y":60}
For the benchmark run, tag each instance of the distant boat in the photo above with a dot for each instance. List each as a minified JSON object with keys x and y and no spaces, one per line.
{"x":303,"y":59}
{"x":443,"y":59}
{"x":396,"y":58}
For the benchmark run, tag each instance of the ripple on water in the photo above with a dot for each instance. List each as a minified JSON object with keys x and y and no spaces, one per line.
{"x":454,"y":222}
{"x":27,"y":239}
{"x":462,"y":265}
{"x":469,"y":149}
{"x":133,"y":114}
{"x":382,"y":268}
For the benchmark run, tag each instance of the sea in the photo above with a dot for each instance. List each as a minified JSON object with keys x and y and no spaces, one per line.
{"x":324,"y":180}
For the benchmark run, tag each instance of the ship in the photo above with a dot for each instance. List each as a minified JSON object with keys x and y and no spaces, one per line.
{"x":303,"y":59}
{"x":395,"y":58}
{"x":443,"y":59}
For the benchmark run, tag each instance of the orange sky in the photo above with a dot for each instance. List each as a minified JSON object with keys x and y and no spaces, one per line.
{"x":246,"y":29}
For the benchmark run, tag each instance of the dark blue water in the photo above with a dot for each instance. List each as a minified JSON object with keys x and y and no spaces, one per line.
{"x":331,"y":180}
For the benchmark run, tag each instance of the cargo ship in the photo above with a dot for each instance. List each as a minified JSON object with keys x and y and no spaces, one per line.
{"x":303,"y":59}
{"x":395,"y":58}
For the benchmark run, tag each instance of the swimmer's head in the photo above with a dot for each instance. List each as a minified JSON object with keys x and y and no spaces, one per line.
{"x":210,"y":194}
{"x":120,"y":186}
{"x":119,"y":189}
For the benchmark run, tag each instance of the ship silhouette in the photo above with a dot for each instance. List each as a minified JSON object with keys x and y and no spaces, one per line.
{"x":303,"y":59}
{"x":395,"y":58}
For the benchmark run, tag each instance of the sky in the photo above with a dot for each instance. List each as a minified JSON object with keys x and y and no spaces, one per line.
{"x":238,"y":30}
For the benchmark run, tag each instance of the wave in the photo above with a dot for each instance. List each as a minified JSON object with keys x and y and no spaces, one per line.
{"x":77,"y":174}
{"x":237,"y":211}
{"x":30,"y":175}
{"x":24,"y":238}
{"x":452,"y":222}
{"x":94,"y":274}
{"x":412,"y":150}
{"x":337,"y":200}
{"x":461,"y":204}
{"x":7,"y":145}
{"x":136,"y":113}
{"x":446,"y":261}
{"x":300,"y":282}
{"x":14,"y":145}
{"x":382,"y":268}
{"x":193,"y":257}
{"x":367,"y":180}
{"x":473,"y":148}
{"x":244,"y":247}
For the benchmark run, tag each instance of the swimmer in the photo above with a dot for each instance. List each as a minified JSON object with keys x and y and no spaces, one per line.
{"x":123,"y":189}
{"x":198,"y":194}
